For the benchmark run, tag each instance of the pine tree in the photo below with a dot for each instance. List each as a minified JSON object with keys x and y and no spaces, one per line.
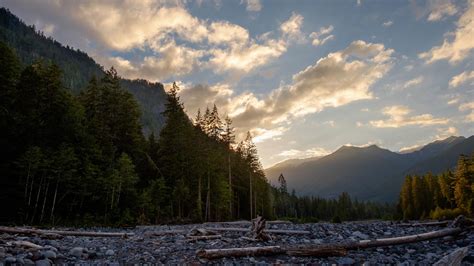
{"x":463,"y":182}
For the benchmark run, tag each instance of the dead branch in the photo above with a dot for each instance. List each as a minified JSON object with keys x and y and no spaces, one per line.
{"x":257,"y":231}
{"x":322,"y":251}
{"x":454,"y":258}
{"x":50,"y":233}
{"x":199,"y":238}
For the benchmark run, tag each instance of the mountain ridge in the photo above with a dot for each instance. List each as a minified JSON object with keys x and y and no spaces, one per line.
{"x":369,"y":173}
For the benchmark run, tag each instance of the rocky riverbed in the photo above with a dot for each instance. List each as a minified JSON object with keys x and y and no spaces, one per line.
{"x":143,"y":247}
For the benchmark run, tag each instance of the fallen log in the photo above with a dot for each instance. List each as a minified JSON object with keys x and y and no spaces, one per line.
{"x":454,"y":258}
{"x":442,"y":223}
{"x":240,"y":252}
{"x":245,"y":222}
{"x":325,"y":250}
{"x":246,"y":230}
{"x":49,"y":233}
{"x":164,"y":232}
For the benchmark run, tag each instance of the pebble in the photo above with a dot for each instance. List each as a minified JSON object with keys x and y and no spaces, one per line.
{"x":49,"y":254}
{"x":44,"y":262}
{"x":76,"y":252}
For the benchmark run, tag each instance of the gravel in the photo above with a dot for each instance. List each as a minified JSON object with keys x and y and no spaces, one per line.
{"x":174,"y":249}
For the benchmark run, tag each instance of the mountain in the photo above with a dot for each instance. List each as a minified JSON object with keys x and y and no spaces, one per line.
{"x":78,"y":67}
{"x":369,"y":173}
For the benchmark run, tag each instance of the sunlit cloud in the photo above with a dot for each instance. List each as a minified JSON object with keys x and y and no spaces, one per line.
{"x":322,"y":36}
{"x":440,"y":9}
{"x":399,"y":116}
{"x":462,"y":78}
{"x":413,"y":82}
{"x":458,"y":47}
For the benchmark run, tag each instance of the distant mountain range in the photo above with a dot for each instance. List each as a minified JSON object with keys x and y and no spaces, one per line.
{"x":368,"y":173}
{"x":78,"y":67}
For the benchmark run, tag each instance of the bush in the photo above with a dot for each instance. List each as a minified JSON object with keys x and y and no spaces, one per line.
{"x":445,"y":214}
{"x":336,"y":219}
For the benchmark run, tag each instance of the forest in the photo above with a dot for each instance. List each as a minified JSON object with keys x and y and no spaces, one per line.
{"x":439,"y":196}
{"x":84,"y":158}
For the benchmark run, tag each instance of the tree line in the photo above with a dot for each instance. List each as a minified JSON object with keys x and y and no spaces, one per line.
{"x":311,"y":208}
{"x":439,"y":196}
{"x":84,"y":159}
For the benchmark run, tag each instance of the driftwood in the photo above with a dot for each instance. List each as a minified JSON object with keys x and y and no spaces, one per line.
{"x":49,"y":233}
{"x":244,"y":222}
{"x":454,"y":258}
{"x":164,"y":232}
{"x":257,"y":231}
{"x":442,"y":223}
{"x":25,"y":244}
{"x":240,"y":252}
{"x":337,"y":249}
{"x":245,"y":230}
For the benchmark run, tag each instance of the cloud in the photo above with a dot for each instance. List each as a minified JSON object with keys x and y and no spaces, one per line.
{"x":387,"y":23}
{"x":302,"y":154}
{"x":456,"y":48}
{"x":410,"y":148}
{"x":172,"y":60}
{"x":322,"y":36}
{"x":166,"y":28}
{"x":413,"y":82}
{"x":335,"y":80}
{"x":262,"y":134}
{"x":468,"y":106}
{"x":440,"y":9}
{"x":254,"y":5}
{"x":464,"y":77}
{"x":446,"y":132}
{"x":247,"y":57}
{"x":291,"y":28}
{"x":399,"y":117}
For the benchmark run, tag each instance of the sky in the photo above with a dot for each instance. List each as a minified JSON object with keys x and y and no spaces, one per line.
{"x":304,"y":77}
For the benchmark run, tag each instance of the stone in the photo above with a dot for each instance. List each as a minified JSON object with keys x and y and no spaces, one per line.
{"x":44,"y":262}
{"x":76,"y":252}
{"x":109,"y":252}
{"x":346,"y":261}
{"x":10,"y":260}
{"x":360,"y":235}
{"x":49,"y":254}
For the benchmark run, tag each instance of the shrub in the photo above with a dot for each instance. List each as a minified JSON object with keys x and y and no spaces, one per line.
{"x":445,"y":214}
{"x":336,"y":219}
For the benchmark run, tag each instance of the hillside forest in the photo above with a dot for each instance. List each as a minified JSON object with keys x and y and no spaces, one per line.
{"x":84,"y":159}
{"x":439,"y":196}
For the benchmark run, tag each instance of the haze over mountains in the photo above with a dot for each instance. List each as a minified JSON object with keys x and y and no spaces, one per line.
{"x":368,"y":173}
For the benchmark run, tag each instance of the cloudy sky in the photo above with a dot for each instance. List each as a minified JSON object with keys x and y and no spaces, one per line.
{"x":305,"y":77}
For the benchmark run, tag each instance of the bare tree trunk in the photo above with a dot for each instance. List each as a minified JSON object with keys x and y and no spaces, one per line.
{"x":44,"y":202}
{"x":119,"y":192}
{"x":112,"y":198}
{"x":208,"y":197}
{"x":31,"y":190}
{"x":27,"y":181}
{"x":251,"y":203}
{"x":37,"y":199}
{"x":230,"y":187}
{"x":54,"y":199}
{"x":199,"y":203}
